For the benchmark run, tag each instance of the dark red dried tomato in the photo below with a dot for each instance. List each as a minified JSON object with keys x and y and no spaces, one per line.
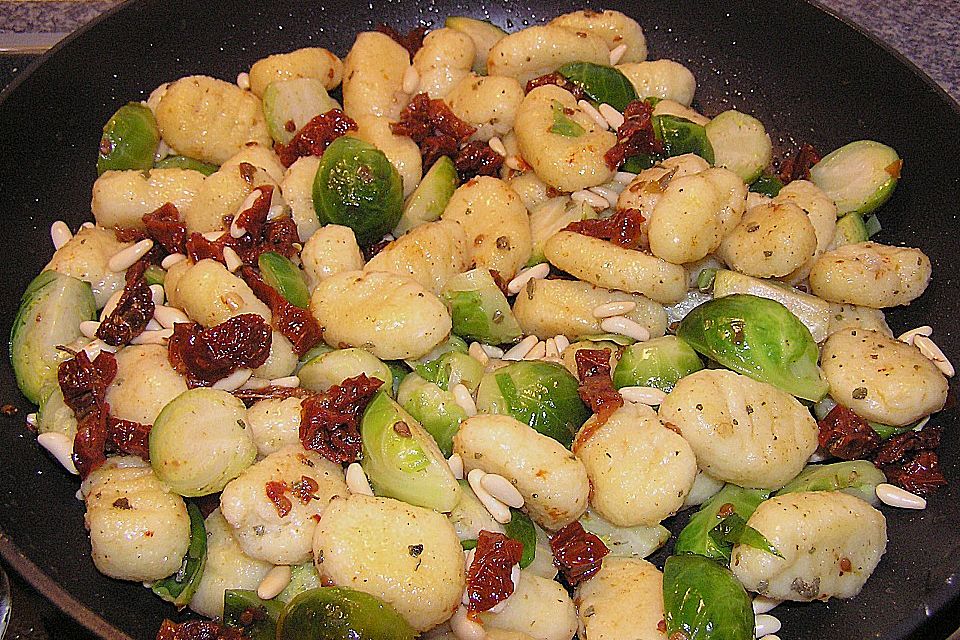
{"x":596,"y":389}
{"x":909,"y":460}
{"x":500,"y":282}
{"x":433,"y":126}
{"x":477,"y":159}
{"x":129,"y":437}
{"x":329,"y":421}
{"x":89,"y":445}
{"x":314,"y":137}
{"x":434,"y":147}
{"x":411,"y":41}
{"x":635,"y":136}
{"x":166,"y":228}
{"x":577,"y":553}
{"x":489,"y":575}
{"x":207,"y":355}
{"x":592,"y":362}
{"x":899,"y":446}
{"x":275,"y":491}
{"x":375,"y":248}
{"x":132,"y":313}
{"x":622,"y":229}
{"x":846,"y":435}
{"x":84,"y":383}
{"x":558,"y":80}
{"x":250,"y":397}
{"x":297,"y":324}
{"x":797,"y":167}
{"x":305,"y":489}
{"x":197,"y":630}
{"x":129,"y":234}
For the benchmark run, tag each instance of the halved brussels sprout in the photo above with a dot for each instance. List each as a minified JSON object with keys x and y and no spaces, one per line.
{"x":180,"y":587}
{"x":451,"y":369}
{"x":857,"y":477}
{"x":552,"y":216}
{"x":290,"y":104}
{"x":333,"y":367}
{"x":850,"y":230}
{"x":431,"y":196}
{"x":183,"y":162}
{"x":538,"y":393}
{"x":740,"y":143}
{"x":695,"y":537}
{"x":357,"y":186}
{"x":130,"y":139}
{"x":338,"y":613}
{"x":767,"y":184}
{"x":601,"y":83}
{"x":303,"y":577}
{"x":703,"y":600}
{"x":760,"y":338}
{"x":680,"y":136}
{"x":859,"y":176}
{"x":402,"y":460}
{"x":478,"y":308}
{"x":628,"y":542}
{"x":434,"y":408}
{"x":656,"y":363}
{"x":280,"y":273}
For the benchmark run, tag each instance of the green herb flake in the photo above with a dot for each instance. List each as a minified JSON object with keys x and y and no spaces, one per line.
{"x":562,"y":124}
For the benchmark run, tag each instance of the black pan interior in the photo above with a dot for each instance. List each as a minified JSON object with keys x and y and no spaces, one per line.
{"x":807,"y":75}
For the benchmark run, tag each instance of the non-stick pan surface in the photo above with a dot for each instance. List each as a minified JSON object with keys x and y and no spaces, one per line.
{"x":804,"y":73}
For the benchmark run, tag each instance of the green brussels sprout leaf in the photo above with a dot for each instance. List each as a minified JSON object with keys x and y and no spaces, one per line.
{"x":659,"y":363}
{"x":602,"y":84}
{"x":703,"y":600}
{"x":521,"y":529}
{"x":338,"y":613}
{"x":284,"y":276}
{"x":767,"y":184}
{"x":243,"y":609}
{"x":680,"y":136}
{"x":434,"y":408}
{"x":478,"y":309}
{"x":857,"y":477}
{"x":180,"y":587}
{"x":130,"y":139}
{"x":183,"y":162}
{"x":697,"y":538}
{"x":734,"y":530}
{"x":562,"y":124}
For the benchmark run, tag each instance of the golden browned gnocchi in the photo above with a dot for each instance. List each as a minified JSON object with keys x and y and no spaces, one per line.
{"x":624,"y":600}
{"x":122,"y":198}
{"x":664,"y":79}
{"x":373,"y":76}
{"x":685,"y":225}
{"x":537,"y":50}
{"x":871,"y":275}
{"x":310,"y":62}
{"x":87,"y":257}
{"x":489,"y":103}
{"x":430,"y":254}
{"x":331,"y":250}
{"x":615,"y":28}
{"x":771,"y":240}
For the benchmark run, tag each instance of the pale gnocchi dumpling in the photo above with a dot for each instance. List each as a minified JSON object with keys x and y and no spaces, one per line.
{"x":623,"y":600}
{"x":664,"y":79}
{"x":297,"y":189}
{"x":771,"y":240}
{"x":871,"y":275}
{"x":830,"y":542}
{"x":445,"y":59}
{"x":331,"y":250}
{"x":122,"y":198}
{"x":144,"y":384}
{"x":430,"y":254}
{"x":489,"y":103}
{"x":685,"y":225}
{"x":274,"y":423}
{"x":373,"y":76}
{"x":538,"y":607}
{"x":742,"y":431}
{"x":86,"y":257}
{"x":309,"y":62}
{"x":537,"y":50}
{"x":615,"y":28}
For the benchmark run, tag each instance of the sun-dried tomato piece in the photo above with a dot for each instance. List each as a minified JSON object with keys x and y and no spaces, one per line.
{"x":411,"y":41}
{"x":635,"y":136}
{"x":129,"y":234}
{"x":477,"y":159}
{"x":899,"y":446}
{"x":197,"y":630}
{"x":132,"y":313}
{"x":84,"y":383}
{"x":297,"y":324}
{"x":489,"y":579}
{"x":433,"y":126}
{"x":329,"y":420}
{"x":596,"y":388}
{"x":560,"y":81}
{"x":166,"y":228}
{"x":432,"y":148}
{"x":127,"y":436}
{"x":314,"y":137}
{"x":846,"y":435}
{"x":249,"y":397}
{"x":305,"y":489}
{"x":275,"y":490}
{"x":207,"y":355}
{"x":592,"y":362}
{"x":375,"y":248}
{"x":622,"y":229}
{"x":577,"y":553}
{"x":89,"y":445}
{"x":909,"y":460}
{"x":797,"y":166}
{"x":500,"y":282}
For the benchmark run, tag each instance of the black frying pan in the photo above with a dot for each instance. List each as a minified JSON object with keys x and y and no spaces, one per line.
{"x":805,"y":74}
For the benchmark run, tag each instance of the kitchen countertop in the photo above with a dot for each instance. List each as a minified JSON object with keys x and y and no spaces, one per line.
{"x":926,"y":32}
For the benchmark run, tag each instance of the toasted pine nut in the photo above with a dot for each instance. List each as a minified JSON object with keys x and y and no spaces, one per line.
{"x":232,"y":299}
{"x":770,"y":636}
{"x":643,"y":395}
{"x":930,"y":350}
{"x":287,"y":381}
{"x":515,"y":163}
{"x":591,"y":111}
{"x":606,"y":193}
{"x":538,"y":351}
{"x":550,"y":349}
{"x":763,"y":604}
{"x":521,"y":349}
{"x":897,"y":497}
{"x":32,"y":420}
{"x":236,"y":231}
{"x":275,"y":212}
{"x":502,"y":489}
{"x":357,"y":480}
{"x":499,"y":511}
{"x":611,"y":309}
{"x":455,"y":462}
{"x":172,"y":259}
{"x":592,"y":199}
{"x":60,"y":234}
{"x":908,"y":336}
{"x":464,"y":400}
{"x":492,"y":351}
{"x":158,"y":294}
{"x":274,"y":582}
{"x":464,"y":628}
{"x":89,"y":328}
{"x":160,"y":336}
{"x":411,"y":80}
{"x":232,"y":259}
{"x":766,"y":625}
{"x":213,"y":236}
{"x":611,"y":115}
{"x":60,"y":446}
{"x":539,"y":271}
{"x":243,"y":81}
{"x":497,"y":145}
{"x":477,"y":353}
{"x":625,"y":327}
{"x":562,"y":342}
{"x":624,"y":177}
{"x":124,"y":259}
{"x":169,"y":316}
{"x":233,"y":381}
{"x":617,"y":53}
{"x":253,"y":382}
{"x":87,"y":225}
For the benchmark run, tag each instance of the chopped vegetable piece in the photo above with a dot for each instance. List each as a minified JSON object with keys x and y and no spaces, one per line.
{"x":562,"y":124}
{"x":859,"y":176}
{"x":702,"y":600}
{"x":695,"y":538}
{"x":656,"y":363}
{"x":180,"y":587}
{"x":521,"y":529}
{"x":130,"y":139}
{"x":602,"y":84}
{"x":338,"y":613}
{"x":478,"y":308}
{"x":857,"y":477}
{"x":284,"y":276}
{"x":257,"y":618}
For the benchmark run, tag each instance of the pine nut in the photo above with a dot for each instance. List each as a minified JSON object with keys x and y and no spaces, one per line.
{"x":275,"y":212}
{"x":616,"y":54}
{"x":464,"y":628}
{"x":153,"y":325}
{"x":763,"y":604}
{"x":248,"y":202}
{"x":770,"y":636}
{"x":60,"y":234}
{"x":255,"y":383}
{"x":94,"y":348}
{"x":60,"y":446}
{"x":163,"y":150}
{"x":897,"y":497}
{"x":87,"y":225}
{"x":477,"y":353}
{"x":539,"y":271}
{"x":290,"y":382}
{"x":502,"y":489}
{"x":624,"y":177}
{"x":611,"y":309}
{"x":236,"y":231}
{"x":611,"y":115}
{"x":455,"y":462}
{"x":169,"y":316}
{"x":606,"y":193}
{"x":817,"y":456}
{"x":232,"y":259}
{"x":515,"y":163}
{"x":464,"y":400}
{"x":521,"y":349}
{"x":497,"y":145}
{"x":213,"y":236}
{"x":411,"y":80}
{"x":930,"y":349}
{"x":625,"y":327}
{"x":643,"y":395}
{"x":89,"y":328}
{"x":357,"y":480}
{"x":499,"y":511}
{"x":766,"y":625}
{"x":550,"y":349}
{"x":243,"y":81}
{"x":125,"y":258}
{"x":274,"y":582}
{"x":160,"y":336}
{"x":158,"y":294}
{"x":591,"y":111}
{"x":590,"y":198}
{"x":492,"y":351}
{"x":562,"y":343}
{"x":172,"y":259}
{"x":539,"y":351}
{"x":908,"y":336}
{"x":233,"y":381}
